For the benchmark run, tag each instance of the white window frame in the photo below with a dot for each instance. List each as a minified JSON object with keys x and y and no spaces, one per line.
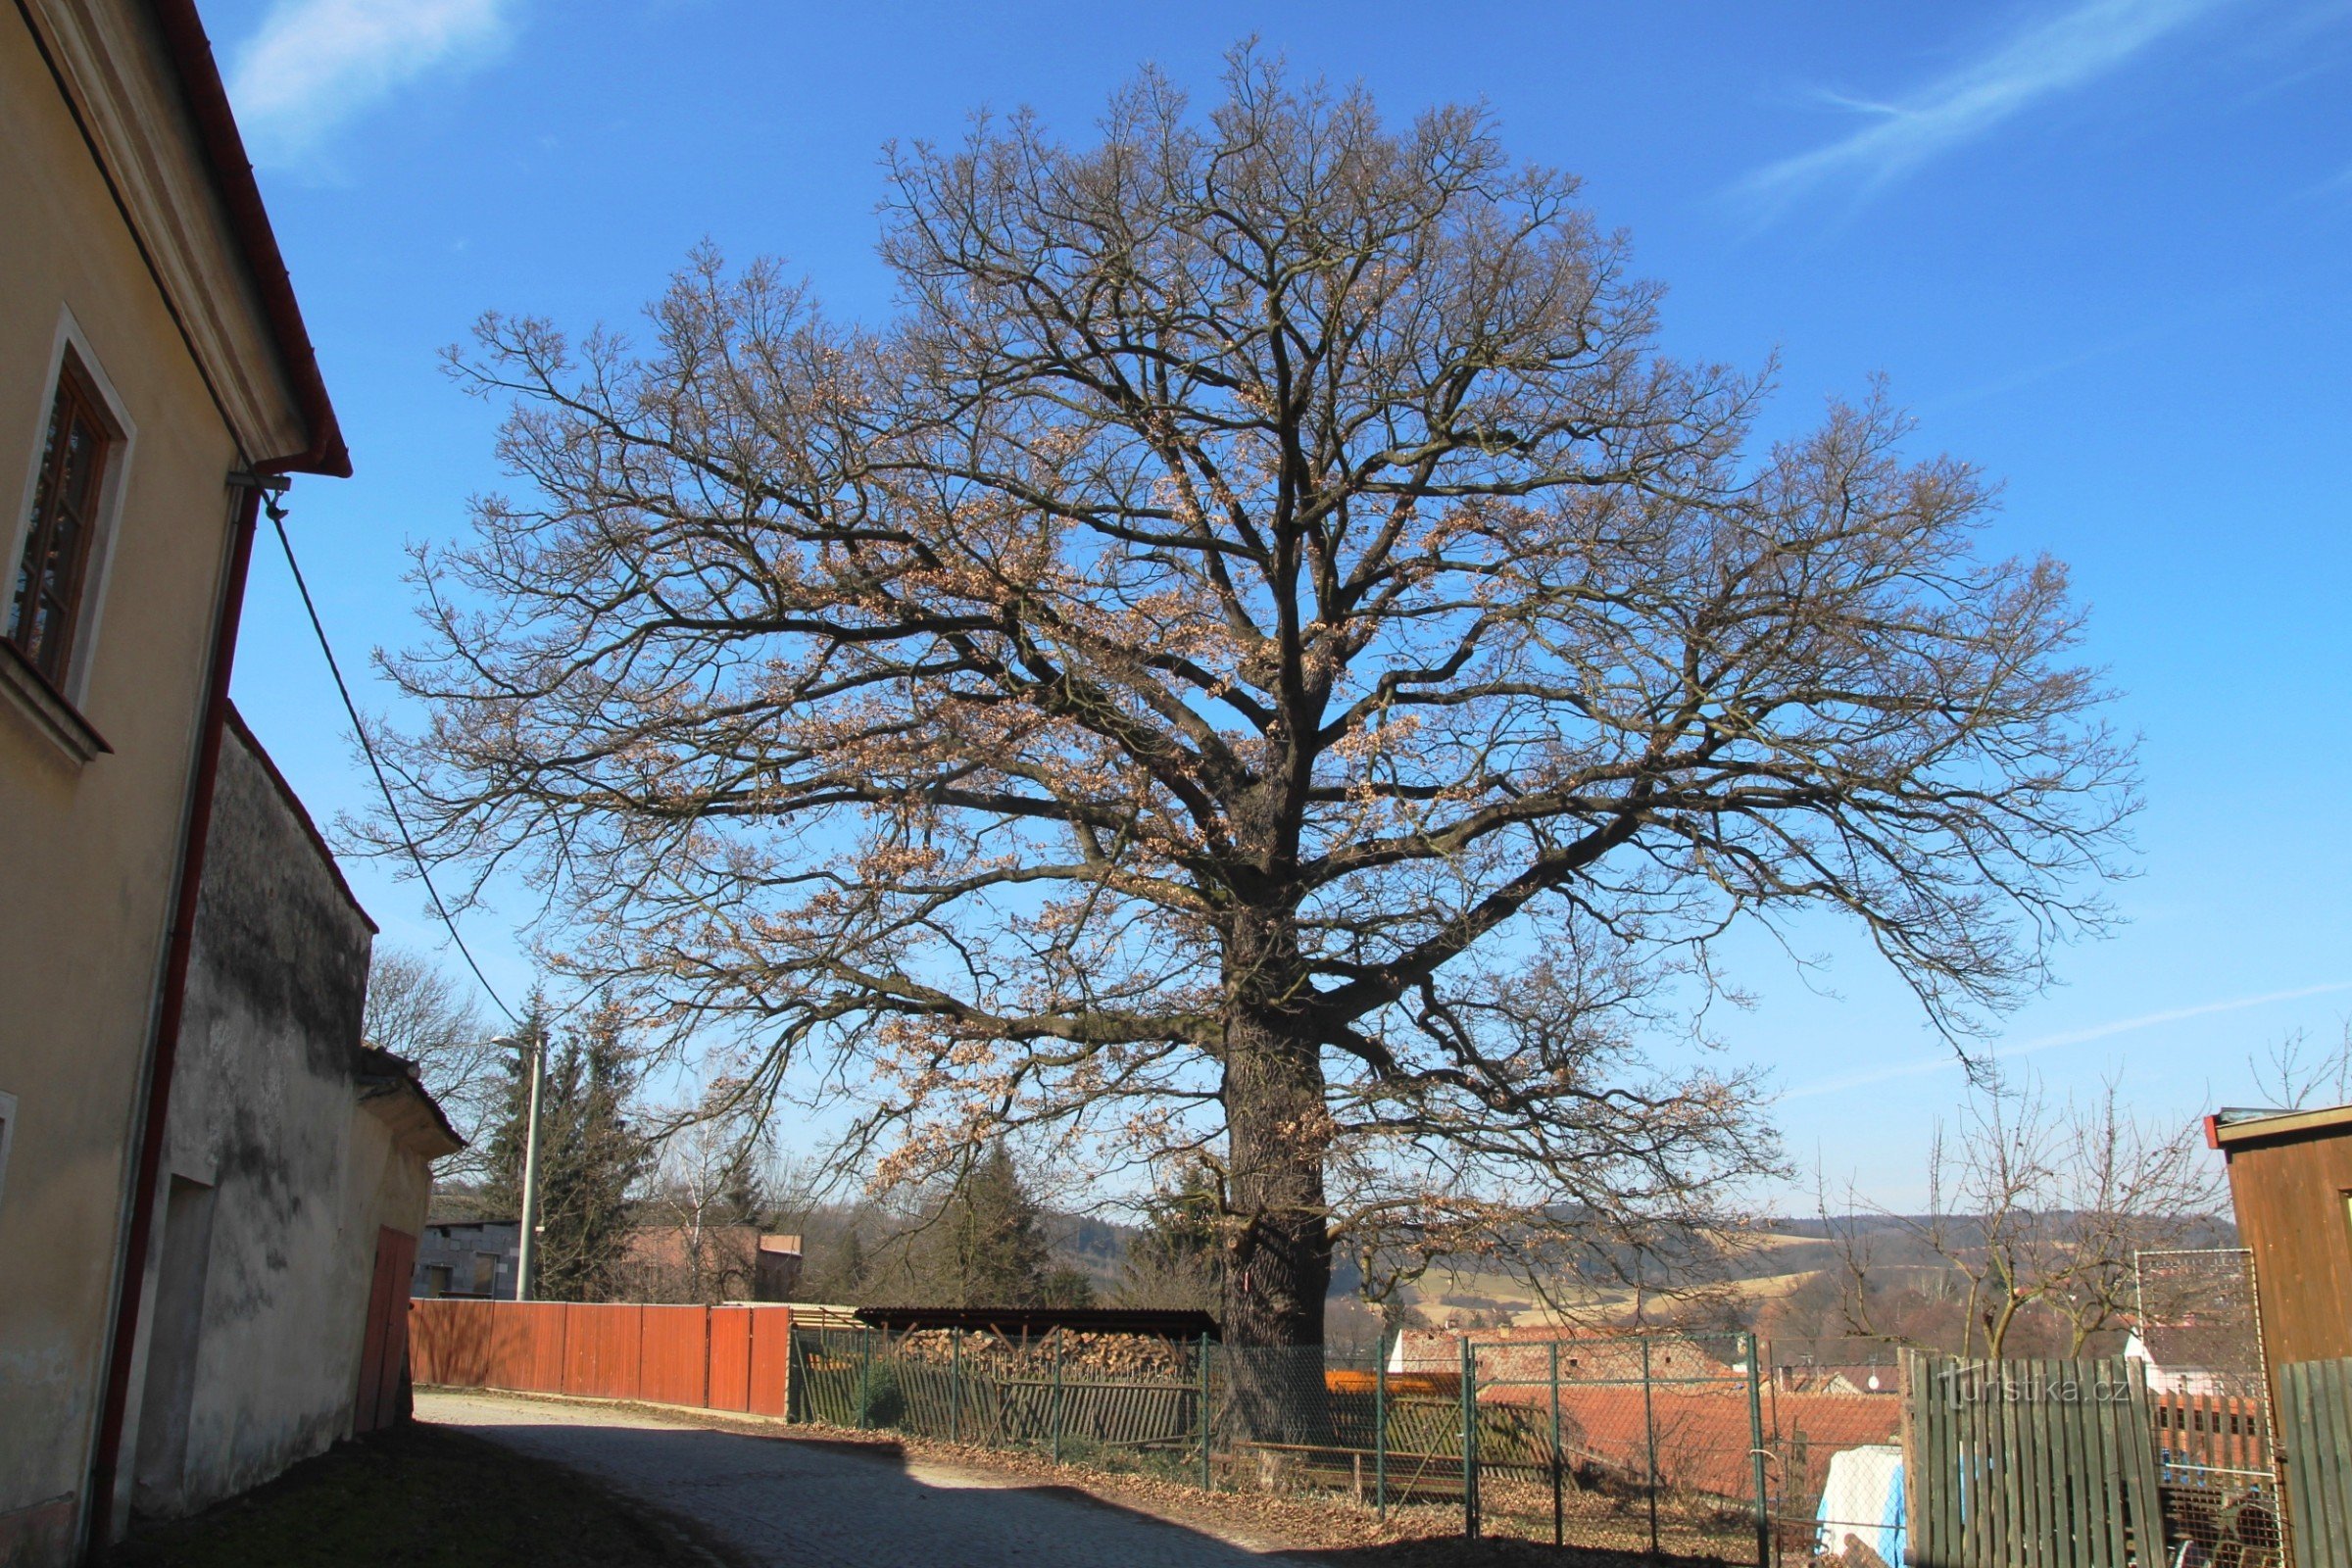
{"x":113,"y":483}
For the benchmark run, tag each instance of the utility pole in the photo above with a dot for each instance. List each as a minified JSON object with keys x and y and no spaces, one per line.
{"x":536,"y":1046}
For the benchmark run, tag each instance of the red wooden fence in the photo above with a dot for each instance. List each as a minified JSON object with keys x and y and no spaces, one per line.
{"x":714,"y":1357}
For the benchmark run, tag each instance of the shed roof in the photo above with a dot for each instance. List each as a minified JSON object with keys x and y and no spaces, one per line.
{"x":2234,"y":1126}
{"x":1157,"y":1322}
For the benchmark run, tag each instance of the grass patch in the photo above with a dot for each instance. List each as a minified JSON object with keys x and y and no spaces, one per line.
{"x":422,"y":1494}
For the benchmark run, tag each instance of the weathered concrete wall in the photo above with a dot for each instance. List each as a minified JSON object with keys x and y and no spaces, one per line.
{"x":269,"y":1117}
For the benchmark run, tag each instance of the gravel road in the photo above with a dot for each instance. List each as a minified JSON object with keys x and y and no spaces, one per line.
{"x":813,"y":1505}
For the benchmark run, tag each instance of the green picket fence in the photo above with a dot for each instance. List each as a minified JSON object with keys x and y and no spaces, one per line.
{"x":2315,"y":1427}
{"x":2030,"y":1464}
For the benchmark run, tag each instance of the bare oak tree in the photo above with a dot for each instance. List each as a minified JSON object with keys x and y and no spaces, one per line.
{"x":1260,"y":659}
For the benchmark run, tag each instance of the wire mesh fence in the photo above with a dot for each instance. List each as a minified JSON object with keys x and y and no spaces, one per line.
{"x":1636,"y":1443}
{"x":1633,"y":1443}
{"x":2200,"y":1333}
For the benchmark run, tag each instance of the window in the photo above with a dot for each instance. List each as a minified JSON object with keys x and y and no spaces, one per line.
{"x":485,"y":1273}
{"x":8,"y":1129}
{"x":44,"y":609}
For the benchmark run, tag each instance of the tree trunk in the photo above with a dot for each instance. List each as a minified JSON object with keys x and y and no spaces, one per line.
{"x":1278,"y":1264}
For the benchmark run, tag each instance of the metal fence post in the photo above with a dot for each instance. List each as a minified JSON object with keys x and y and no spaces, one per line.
{"x":1379,"y":1428}
{"x":1649,"y":1439}
{"x":955,"y":1385}
{"x":1058,"y":1337}
{"x":1756,"y":1452}
{"x":1469,"y":1440}
{"x":1206,"y":1483}
{"x":1558,"y":1521}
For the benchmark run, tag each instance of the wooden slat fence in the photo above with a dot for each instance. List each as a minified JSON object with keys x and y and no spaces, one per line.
{"x":717,"y":1358}
{"x":978,"y":1403}
{"x":2029,"y":1464}
{"x":2314,"y":1430}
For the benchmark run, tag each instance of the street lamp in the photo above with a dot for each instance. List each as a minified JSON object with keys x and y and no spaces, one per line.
{"x":537,"y":1047}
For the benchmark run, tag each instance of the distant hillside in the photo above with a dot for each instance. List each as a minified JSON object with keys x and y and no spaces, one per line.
{"x":1784,"y":1256}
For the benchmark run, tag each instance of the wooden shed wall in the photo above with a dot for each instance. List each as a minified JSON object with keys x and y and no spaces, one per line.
{"x":2290,"y":1195}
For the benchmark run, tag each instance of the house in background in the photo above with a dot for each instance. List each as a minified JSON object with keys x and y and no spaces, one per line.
{"x":474,"y":1258}
{"x":2195,"y":1359}
{"x":154,"y":367}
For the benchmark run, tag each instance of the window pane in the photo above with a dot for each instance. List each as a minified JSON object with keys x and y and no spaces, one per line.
{"x":46,"y":596}
{"x":82,"y":447}
{"x":18,"y":600}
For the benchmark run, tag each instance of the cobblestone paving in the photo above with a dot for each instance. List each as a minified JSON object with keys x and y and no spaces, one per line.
{"x":787,"y":1500}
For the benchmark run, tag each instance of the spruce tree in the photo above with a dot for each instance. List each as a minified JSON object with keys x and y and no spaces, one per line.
{"x":590,"y":1155}
{"x":986,"y":1246}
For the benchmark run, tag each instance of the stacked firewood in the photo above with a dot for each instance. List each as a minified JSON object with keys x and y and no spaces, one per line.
{"x":1093,"y":1356}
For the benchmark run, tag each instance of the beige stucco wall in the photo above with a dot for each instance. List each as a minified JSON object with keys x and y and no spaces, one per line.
{"x":88,"y":851}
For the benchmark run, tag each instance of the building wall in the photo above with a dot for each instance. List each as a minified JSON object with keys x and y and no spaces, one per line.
{"x":278,"y":1160}
{"x":457,"y":1247}
{"x":2290,"y":1196}
{"x":88,"y":849}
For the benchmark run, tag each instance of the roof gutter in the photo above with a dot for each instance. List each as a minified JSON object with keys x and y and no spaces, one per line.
{"x":191,"y":56}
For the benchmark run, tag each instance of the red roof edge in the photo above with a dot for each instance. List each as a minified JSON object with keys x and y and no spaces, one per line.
{"x":224,"y":145}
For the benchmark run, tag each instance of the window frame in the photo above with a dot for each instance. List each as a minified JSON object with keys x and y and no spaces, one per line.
{"x":72,"y":360}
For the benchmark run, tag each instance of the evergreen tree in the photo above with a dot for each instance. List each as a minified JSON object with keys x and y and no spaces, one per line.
{"x":590,"y":1155}
{"x":988,"y":1247}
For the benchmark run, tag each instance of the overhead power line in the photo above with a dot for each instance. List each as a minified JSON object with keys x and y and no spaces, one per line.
{"x":277,"y":521}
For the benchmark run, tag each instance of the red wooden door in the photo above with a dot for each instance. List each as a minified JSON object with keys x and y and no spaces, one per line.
{"x":384,"y":1345}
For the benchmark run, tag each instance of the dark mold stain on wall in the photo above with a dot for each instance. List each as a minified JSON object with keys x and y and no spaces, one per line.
{"x":277,"y":929}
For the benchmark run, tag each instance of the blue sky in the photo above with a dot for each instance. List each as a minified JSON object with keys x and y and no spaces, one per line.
{"x":2100,"y":249}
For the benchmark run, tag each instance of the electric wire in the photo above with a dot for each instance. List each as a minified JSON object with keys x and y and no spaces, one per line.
{"x":277,"y":521}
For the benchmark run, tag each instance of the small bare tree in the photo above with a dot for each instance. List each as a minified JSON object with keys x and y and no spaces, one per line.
{"x":2038,"y":1212}
{"x":1261,"y":661}
{"x":695,"y":1228}
{"x":2293,"y":1072}
{"x":416,"y":1011}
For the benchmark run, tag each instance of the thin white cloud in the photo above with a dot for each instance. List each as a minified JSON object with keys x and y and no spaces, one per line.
{"x":2058,"y":54}
{"x":317,"y":64}
{"x":1921,"y":1066}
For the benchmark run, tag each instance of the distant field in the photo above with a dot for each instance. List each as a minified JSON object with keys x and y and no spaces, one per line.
{"x":1774,"y":1265}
